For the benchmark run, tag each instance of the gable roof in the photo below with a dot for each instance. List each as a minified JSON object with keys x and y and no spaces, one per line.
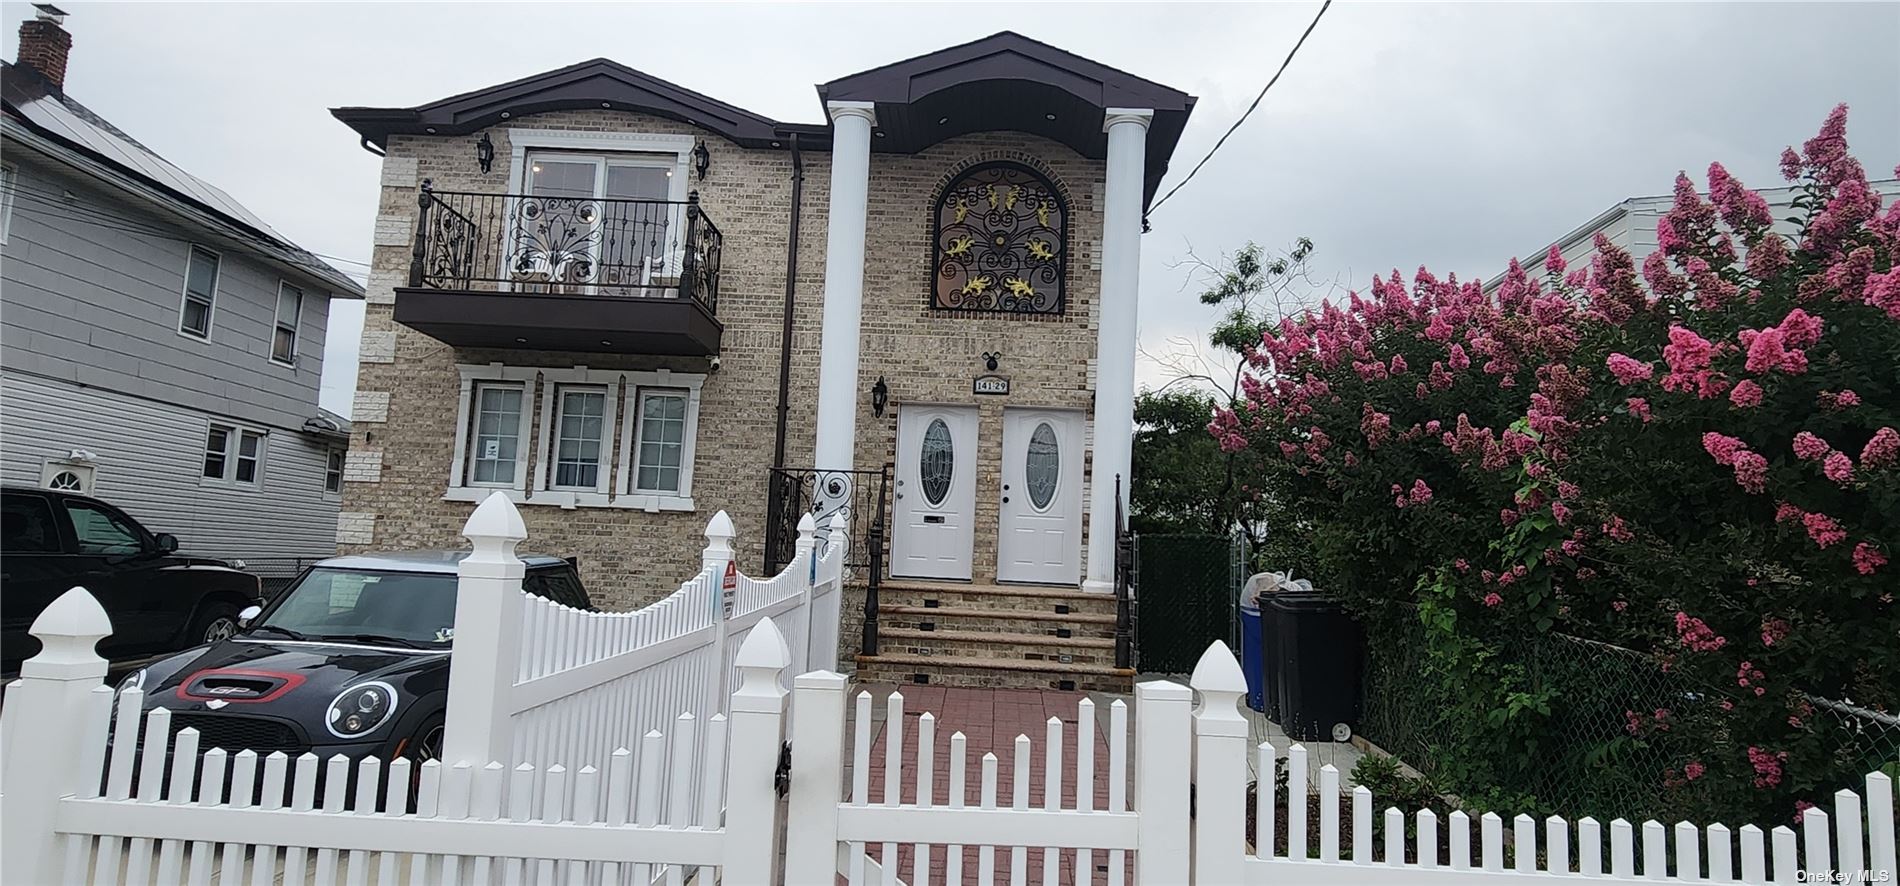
{"x":597,"y":83}
{"x":1009,"y":81}
{"x":60,"y":119}
{"x":1003,"y":82}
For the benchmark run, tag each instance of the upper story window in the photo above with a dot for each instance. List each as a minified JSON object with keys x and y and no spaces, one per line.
{"x":201,"y":288}
{"x":662,"y":441}
{"x":333,"y":472}
{"x":283,"y":342}
{"x":1000,"y":242}
{"x":580,"y":447}
{"x":9,"y":179}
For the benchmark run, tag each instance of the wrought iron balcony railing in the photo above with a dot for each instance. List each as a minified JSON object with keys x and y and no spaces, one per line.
{"x":542,"y":245}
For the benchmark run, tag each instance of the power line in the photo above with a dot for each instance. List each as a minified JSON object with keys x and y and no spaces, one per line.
{"x":1250,"y":108}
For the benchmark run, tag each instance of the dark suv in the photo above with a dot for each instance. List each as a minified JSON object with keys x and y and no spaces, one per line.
{"x":159,"y":601}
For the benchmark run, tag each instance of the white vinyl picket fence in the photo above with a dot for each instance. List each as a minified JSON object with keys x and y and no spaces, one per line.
{"x":1180,"y":836}
{"x":557,"y":684}
{"x":137,"y":803}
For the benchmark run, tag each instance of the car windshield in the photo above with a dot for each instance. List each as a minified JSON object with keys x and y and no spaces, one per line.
{"x":345,"y":604}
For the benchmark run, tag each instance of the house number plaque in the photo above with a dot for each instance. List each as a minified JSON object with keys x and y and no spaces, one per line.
{"x":990,"y":384}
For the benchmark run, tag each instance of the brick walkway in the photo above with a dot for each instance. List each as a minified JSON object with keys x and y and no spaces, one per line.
{"x":990,"y":720}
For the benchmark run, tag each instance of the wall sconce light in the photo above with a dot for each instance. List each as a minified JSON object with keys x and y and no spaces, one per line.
{"x":990,"y":358}
{"x":880,"y":397}
{"x":702,"y":159}
{"x":485,"y":153}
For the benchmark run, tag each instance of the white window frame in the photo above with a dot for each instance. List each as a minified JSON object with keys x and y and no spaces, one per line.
{"x":603,"y":460}
{"x":342,"y":460}
{"x":234,"y":434}
{"x":9,"y":181}
{"x":603,"y":145}
{"x":184,"y":291}
{"x":296,"y":324}
{"x":639,"y":436}
{"x":612,"y":486}
{"x":626,"y":494}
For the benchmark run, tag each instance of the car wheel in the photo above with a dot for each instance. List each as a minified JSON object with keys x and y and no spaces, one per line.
{"x":218,"y":621}
{"x":426,"y":745}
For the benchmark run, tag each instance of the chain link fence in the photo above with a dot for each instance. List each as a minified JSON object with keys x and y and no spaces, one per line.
{"x":274,"y":574}
{"x":1187,"y":587}
{"x":1587,"y":764}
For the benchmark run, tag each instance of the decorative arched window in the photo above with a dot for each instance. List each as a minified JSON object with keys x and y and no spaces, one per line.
{"x":1000,"y":242}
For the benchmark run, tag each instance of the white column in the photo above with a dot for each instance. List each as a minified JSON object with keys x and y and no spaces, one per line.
{"x":844,"y":285}
{"x":479,"y":721}
{"x":1127,"y":130}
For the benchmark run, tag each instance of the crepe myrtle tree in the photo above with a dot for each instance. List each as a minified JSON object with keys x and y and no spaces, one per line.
{"x":1696,"y":457}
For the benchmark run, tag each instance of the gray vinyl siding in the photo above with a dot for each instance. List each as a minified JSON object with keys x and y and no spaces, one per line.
{"x":148,"y":459}
{"x":92,"y":298}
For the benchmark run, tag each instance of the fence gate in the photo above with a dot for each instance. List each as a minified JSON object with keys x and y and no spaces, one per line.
{"x":1188,"y":585}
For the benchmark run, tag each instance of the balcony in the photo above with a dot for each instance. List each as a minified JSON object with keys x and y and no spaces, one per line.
{"x":564,"y":274}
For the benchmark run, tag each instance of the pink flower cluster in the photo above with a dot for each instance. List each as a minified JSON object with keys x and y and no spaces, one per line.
{"x":1823,"y":529}
{"x":1773,"y":630}
{"x":1748,"y":676}
{"x":1837,"y":401}
{"x":1768,"y":351}
{"x":1629,"y":370}
{"x":1881,"y":450}
{"x":1751,"y":469}
{"x":1697,"y":635}
{"x":1689,"y":357}
{"x":1418,"y":495}
{"x":1767,"y":766}
{"x":1868,"y":559}
{"x":1694,"y":770}
{"x":1617,"y":529}
{"x":1746,"y":395}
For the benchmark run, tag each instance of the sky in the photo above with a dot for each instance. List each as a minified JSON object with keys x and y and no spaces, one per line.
{"x":1448,"y":135}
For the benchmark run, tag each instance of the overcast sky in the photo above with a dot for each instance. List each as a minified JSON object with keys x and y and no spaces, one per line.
{"x":1454,"y":136}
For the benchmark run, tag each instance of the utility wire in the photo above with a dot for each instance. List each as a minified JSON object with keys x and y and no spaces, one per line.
{"x":1250,"y":108}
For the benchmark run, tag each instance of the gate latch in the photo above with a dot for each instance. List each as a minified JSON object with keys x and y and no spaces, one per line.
{"x":782,"y":779}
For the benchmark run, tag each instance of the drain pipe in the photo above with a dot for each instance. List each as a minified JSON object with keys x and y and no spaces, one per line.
{"x":791,"y":294}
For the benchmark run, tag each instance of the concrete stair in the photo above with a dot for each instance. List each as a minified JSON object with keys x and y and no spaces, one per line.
{"x":987,"y":635}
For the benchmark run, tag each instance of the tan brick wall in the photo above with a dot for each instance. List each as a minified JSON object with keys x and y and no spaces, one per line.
{"x":631,"y":557}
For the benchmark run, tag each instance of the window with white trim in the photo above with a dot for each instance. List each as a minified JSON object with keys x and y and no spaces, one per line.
{"x":9,"y":180}
{"x":234,"y":455}
{"x":201,"y":290}
{"x":283,"y":342}
{"x":333,"y":472}
{"x":662,"y":436}
{"x":600,"y":438}
{"x":494,"y":442}
{"x":580,"y":442}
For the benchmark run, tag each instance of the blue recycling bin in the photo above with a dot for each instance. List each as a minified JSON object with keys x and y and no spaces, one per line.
{"x":1251,"y":654}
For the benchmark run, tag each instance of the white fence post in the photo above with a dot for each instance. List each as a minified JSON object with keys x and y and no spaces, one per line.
{"x":478,"y":725}
{"x":805,"y":560}
{"x":1162,"y":750}
{"x":48,"y":712}
{"x":1220,"y":767}
{"x":756,"y":728}
{"x":811,"y":827}
{"x":713,"y":562}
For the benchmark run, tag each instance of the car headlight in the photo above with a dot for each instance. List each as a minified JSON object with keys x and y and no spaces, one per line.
{"x":134,"y":680}
{"x":358,"y":710}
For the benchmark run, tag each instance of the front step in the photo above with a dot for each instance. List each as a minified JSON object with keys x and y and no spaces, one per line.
{"x":993,"y":673}
{"x":995,"y":636}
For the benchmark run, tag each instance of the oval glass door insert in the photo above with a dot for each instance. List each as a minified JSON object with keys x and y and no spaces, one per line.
{"x":937,"y":462}
{"x":1042,"y":465}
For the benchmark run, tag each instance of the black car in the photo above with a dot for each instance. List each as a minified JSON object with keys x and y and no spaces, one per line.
{"x":158,"y":601}
{"x":352,"y":658}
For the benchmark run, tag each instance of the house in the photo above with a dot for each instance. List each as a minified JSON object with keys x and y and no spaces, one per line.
{"x":162,"y":344}
{"x":1631,"y":226}
{"x":627,"y":305}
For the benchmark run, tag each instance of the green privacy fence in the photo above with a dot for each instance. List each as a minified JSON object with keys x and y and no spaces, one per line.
{"x":1186,"y":586}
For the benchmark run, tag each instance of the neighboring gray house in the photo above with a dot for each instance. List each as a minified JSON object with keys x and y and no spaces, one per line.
{"x":1631,"y":225}
{"x":160,"y":346}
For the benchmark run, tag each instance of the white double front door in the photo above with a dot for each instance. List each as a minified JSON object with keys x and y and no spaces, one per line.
{"x":1039,"y":496}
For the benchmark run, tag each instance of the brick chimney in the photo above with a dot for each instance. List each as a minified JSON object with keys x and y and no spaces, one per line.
{"x":44,"y":45}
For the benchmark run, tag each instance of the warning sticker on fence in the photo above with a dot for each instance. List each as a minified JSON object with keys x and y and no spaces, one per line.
{"x":730,"y":587}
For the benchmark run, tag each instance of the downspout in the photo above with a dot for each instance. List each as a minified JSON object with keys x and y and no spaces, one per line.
{"x":791,"y":293}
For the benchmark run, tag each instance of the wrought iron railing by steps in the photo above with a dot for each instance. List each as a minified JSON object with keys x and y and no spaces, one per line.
{"x":791,"y":493}
{"x":1124,"y":584}
{"x":545,"y":245}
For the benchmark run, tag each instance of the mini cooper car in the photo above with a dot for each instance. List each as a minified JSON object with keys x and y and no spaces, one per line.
{"x":352,"y":658}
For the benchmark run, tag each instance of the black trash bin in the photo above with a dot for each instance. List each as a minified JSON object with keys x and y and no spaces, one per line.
{"x":1271,"y":666}
{"x":1315,"y":655}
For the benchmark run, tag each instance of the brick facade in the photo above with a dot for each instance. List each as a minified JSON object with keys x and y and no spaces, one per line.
{"x":630,"y":557}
